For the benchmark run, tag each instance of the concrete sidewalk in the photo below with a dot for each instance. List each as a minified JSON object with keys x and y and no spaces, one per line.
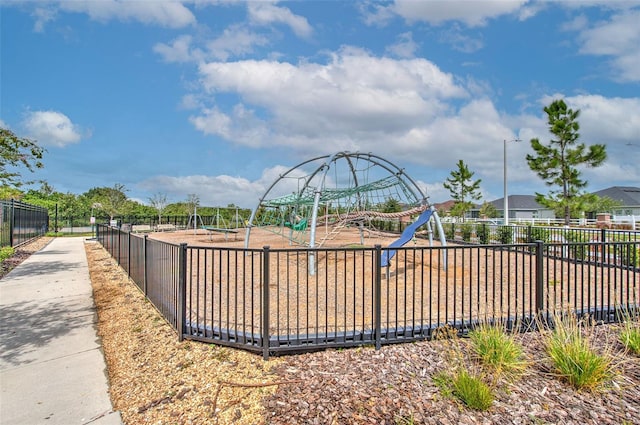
{"x":52,"y":370}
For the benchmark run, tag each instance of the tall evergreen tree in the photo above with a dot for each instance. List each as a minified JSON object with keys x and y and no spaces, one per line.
{"x":463,"y":189}
{"x":557,"y":162}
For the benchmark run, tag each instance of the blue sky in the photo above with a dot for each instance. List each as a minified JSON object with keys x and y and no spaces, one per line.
{"x":217,"y":98}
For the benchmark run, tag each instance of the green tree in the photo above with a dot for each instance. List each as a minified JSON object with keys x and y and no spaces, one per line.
{"x":488,"y":210}
{"x":463,"y":189}
{"x":111,"y":199}
{"x":391,"y":205}
{"x":16,"y":152}
{"x":557,"y":162}
{"x":7,"y":193}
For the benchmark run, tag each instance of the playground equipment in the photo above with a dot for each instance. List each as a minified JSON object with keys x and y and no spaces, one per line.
{"x":218,"y":224}
{"x":347,"y":189}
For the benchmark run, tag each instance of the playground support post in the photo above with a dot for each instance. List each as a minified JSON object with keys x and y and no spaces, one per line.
{"x":506,"y":195}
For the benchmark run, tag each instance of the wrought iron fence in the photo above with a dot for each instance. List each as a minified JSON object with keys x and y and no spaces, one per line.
{"x":21,"y":222}
{"x":265,"y":300}
{"x":486,"y":233}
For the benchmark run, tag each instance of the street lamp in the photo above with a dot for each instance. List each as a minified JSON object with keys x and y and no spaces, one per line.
{"x":506,"y":195}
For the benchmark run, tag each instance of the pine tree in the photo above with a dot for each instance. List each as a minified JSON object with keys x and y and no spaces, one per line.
{"x":463,"y":189}
{"x":557,"y":162}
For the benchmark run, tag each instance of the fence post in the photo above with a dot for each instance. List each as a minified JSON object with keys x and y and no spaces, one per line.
{"x":377,"y":295}
{"x":182,"y":291}
{"x":603,"y":235}
{"x":129,"y":254}
{"x":12,"y":223}
{"x":119,"y":246}
{"x":539,"y":279}
{"x":265,"y":302}
{"x":144,"y":265}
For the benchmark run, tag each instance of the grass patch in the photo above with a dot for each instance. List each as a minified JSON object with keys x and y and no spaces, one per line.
{"x":466,"y":387}
{"x":498,"y":351}
{"x":630,"y":334}
{"x":6,"y":252}
{"x":573,"y":357}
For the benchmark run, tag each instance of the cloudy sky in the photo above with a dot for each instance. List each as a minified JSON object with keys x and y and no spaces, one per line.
{"x":218,"y":97}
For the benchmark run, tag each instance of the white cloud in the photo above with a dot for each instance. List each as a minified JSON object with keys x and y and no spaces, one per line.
{"x":43,"y":15}
{"x":166,"y":13}
{"x":459,"y":41}
{"x":405,"y":46}
{"x":241,"y":125}
{"x":355,"y":101}
{"x":471,"y":13}
{"x":179,"y":50}
{"x":236,"y":41}
{"x":218,"y":190}
{"x":618,"y":38}
{"x":602,"y":119}
{"x":265,"y":13}
{"x":51,"y":128}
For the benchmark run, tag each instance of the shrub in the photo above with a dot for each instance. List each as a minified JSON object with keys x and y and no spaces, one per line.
{"x":505,"y":235}
{"x":467,"y":230}
{"x":450,"y":232}
{"x":6,"y":252}
{"x":483,"y":232}
{"x":537,"y":234}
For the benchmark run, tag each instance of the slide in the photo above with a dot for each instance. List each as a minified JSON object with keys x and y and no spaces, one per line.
{"x":406,"y":236}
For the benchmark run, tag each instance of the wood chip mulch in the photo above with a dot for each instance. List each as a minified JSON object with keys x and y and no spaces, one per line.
{"x":154,"y":379}
{"x":22,"y":253}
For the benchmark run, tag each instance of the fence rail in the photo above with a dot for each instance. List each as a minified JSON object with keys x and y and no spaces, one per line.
{"x":21,"y":222}
{"x":265,"y":301}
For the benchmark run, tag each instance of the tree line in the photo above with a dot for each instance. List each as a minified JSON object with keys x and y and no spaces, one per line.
{"x":19,"y":154}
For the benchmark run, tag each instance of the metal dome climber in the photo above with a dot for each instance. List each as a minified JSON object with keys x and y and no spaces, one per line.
{"x":339,"y":190}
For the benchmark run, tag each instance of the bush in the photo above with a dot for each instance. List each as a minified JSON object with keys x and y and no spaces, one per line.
{"x":505,"y":235}
{"x":483,"y":233}
{"x":450,"y":232}
{"x":537,"y":234}
{"x":467,"y":230}
{"x":6,"y":252}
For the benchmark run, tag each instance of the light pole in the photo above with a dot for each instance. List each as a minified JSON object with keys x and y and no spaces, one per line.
{"x":506,"y":195}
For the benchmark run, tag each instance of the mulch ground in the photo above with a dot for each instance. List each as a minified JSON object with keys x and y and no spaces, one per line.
{"x":155,"y":379}
{"x":22,"y":253}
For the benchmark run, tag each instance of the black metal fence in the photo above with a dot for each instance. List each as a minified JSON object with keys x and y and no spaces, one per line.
{"x":485,"y":233}
{"x":21,"y":222}
{"x":266,"y":301}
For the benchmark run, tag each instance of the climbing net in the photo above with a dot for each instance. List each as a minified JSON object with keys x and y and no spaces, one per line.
{"x":340,"y":191}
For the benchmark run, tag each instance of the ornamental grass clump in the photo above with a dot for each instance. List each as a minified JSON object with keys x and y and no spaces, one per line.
{"x":573,"y":357}
{"x":457,"y":381}
{"x":468,"y":388}
{"x":630,"y":333}
{"x":498,"y":351}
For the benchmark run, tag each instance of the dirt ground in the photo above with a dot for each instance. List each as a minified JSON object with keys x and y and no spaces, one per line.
{"x":155,"y":379}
